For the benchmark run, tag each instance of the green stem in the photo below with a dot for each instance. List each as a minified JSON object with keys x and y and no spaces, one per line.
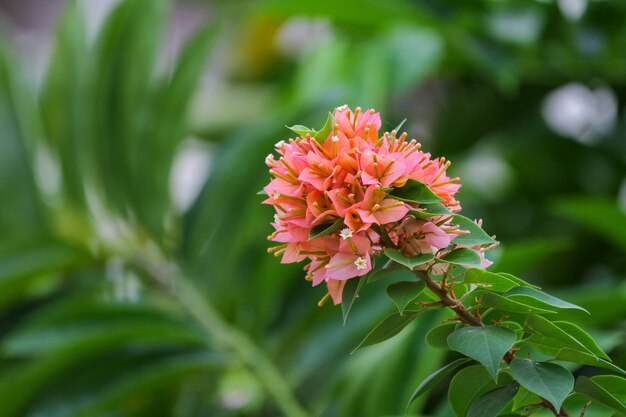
{"x":232,"y":340}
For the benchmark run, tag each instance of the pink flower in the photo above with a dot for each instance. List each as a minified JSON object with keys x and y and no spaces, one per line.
{"x":335,"y":289}
{"x":381,"y":169}
{"x":375,"y":208}
{"x":349,"y":177}
{"x":358,"y":124}
{"x":435,"y":236}
{"x":353,"y":259}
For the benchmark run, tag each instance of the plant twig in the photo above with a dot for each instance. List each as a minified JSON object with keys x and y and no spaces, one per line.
{"x":466,"y":316}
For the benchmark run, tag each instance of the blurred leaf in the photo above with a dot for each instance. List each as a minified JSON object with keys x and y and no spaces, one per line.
{"x":23,"y":383}
{"x":23,"y":219}
{"x":599,"y":216}
{"x":548,"y":380}
{"x":520,"y":257}
{"x":487,"y":345}
{"x":167,"y":372}
{"x":23,"y":264}
{"x":167,"y":126}
{"x":128,"y":39}
{"x":414,"y":53}
{"x":369,"y":12}
{"x":65,"y":100}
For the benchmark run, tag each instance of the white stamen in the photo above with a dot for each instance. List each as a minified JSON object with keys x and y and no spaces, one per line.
{"x":345,"y":233}
{"x":335,"y":138}
{"x":342,"y":108}
{"x":360,"y":263}
{"x":276,"y":219}
{"x":269,"y":159}
{"x":280,"y":144}
{"x":276,"y":196}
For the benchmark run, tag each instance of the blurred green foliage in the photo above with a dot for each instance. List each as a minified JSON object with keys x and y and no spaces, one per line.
{"x":114,"y":302}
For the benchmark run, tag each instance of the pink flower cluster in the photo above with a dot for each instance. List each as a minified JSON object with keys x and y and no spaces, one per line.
{"x":349,"y":176}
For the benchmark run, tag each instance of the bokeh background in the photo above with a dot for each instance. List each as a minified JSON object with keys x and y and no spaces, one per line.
{"x":134,"y":278}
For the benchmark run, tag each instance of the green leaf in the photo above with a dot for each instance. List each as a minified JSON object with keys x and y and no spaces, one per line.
{"x":487,"y":345}
{"x":22,"y":265}
{"x":524,"y":398}
{"x":395,"y":273}
{"x":415,"y":192}
{"x":387,"y":329}
{"x":549,"y":334}
{"x":438,"y":336}
{"x":548,"y":380}
{"x":476,"y":235}
{"x":489,"y":280}
{"x":166,"y":128}
{"x":614,"y":384}
{"x":325,"y":229}
{"x":516,"y":327}
{"x":323,"y":133}
{"x":350,"y":293}
{"x":571,"y":355}
{"x":533,"y":296}
{"x":429,"y":210}
{"x":402,"y":293}
{"x":397,"y":128}
{"x":468,"y":384}
{"x":128,"y":160}
{"x":490,"y":299}
{"x":139,"y":382}
{"x":583,"y":338}
{"x":435,"y":378}
{"x":65,"y":84}
{"x":302,"y":130}
{"x":597,"y":392}
{"x":492,"y":403}
{"x":463,"y":257}
{"x":520,"y":282}
{"x":409,"y":261}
